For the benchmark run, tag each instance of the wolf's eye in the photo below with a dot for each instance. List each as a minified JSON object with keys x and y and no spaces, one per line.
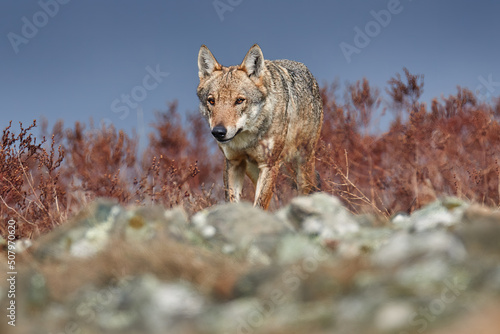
{"x":211,"y":101}
{"x":239,"y":100}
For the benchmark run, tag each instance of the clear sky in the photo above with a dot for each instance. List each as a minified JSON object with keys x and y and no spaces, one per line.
{"x":122,"y":60}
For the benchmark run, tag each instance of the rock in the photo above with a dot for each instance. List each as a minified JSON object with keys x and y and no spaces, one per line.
{"x":38,"y":294}
{"x":367,"y":240}
{"x":142,"y":223}
{"x":145,"y":223}
{"x":401,"y":219}
{"x":311,"y":267}
{"x":178,"y":223}
{"x":170,"y":305}
{"x":243,"y":315}
{"x":295,"y":247}
{"x":23,"y":244}
{"x":393,"y":316}
{"x":137,"y":302}
{"x":249,"y":284}
{"x":442,"y":213}
{"x":241,"y":228}
{"x":480,"y":232}
{"x":90,"y":231}
{"x":87,"y":234}
{"x":319,"y":215}
{"x":403,"y":247}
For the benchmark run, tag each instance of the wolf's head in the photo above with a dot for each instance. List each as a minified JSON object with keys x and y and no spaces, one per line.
{"x":231,"y":97}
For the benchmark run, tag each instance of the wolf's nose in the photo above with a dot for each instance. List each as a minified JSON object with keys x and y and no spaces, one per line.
{"x":219,"y":132}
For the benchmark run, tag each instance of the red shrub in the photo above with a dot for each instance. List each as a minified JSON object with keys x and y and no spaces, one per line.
{"x":451,"y":149}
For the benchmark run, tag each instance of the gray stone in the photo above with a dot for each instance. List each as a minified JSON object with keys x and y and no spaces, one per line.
{"x":441,"y":213}
{"x":480,"y":232}
{"x":295,"y":247}
{"x":401,"y":219}
{"x":310,"y":267}
{"x":91,"y":230}
{"x":38,"y":294}
{"x":319,"y":215}
{"x":393,"y":315}
{"x":144,"y":223}
{"x":87,"y":234}
{"x":404,"y":246}
{"x":171,"y":304}
{"x":22,"y":245}
{"x":137,"y":302}
{"x":241,"y":227}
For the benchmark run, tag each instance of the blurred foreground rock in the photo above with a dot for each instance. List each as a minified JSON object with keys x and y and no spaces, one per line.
{"x":311,"y":267}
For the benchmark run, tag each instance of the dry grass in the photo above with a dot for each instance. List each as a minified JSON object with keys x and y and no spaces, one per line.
{"x":451,"y":148}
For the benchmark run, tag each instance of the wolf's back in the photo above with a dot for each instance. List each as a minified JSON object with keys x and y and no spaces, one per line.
{"x":301,"y":89}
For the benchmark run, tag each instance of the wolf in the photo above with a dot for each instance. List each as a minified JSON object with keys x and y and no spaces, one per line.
{"x":262,"y":113}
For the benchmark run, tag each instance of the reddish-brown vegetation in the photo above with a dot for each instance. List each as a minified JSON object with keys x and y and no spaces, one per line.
{"x":451,"y":148}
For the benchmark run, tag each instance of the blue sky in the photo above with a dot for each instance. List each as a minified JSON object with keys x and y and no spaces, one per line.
{"x":76,"y":60}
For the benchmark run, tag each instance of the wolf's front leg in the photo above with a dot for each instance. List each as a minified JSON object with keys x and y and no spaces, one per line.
{"x":234,"y":173}
{"x":265,"y":186}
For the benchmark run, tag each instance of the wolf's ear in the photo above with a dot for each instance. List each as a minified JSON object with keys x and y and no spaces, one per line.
{"x":253,"y":63}
{"x":206,"y":63}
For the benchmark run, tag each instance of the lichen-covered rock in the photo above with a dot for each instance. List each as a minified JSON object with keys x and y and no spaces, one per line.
{"x":319,"y":215}
{"x":441,"y":213}
{"x":86,"y":235}
{"x":480,"y":232}
{"x":295,"y":247}
{"x":135,"y":302}
{"x":241,"y":228}
{"x":403,"y":247}
{"x":311,"y":267}
{"x":145,"y":223}
{"x":92,"y":230}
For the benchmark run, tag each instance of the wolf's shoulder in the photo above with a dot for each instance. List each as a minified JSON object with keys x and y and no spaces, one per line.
{"x":294,"y":68}
{"x":290,"y":65}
